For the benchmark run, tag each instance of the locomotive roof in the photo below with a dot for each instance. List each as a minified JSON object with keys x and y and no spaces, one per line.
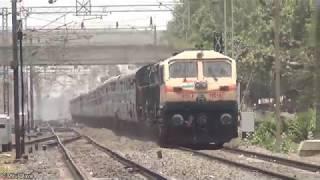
{"x":121,"y":76}
{"x":193,"y":54}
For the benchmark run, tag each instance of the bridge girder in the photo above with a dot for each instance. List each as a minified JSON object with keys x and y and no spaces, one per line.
{"x":89,"y":55}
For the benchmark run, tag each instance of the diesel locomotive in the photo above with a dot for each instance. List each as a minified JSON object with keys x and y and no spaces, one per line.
{"x":189,"y":98}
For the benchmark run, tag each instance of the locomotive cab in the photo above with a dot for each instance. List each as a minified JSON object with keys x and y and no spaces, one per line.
{"x":198,"y":98}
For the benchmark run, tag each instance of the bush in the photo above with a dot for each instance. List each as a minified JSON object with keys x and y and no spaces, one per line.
{"x":265,"y":133}
{"x":300,"y":128}
{"x":294,"y":131}
{"x":287,"y":145}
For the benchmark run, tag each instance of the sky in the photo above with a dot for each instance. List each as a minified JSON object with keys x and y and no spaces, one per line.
{"x":124,"y":19}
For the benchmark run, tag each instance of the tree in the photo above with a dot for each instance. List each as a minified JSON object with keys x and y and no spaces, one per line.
{"x":253,"y":30}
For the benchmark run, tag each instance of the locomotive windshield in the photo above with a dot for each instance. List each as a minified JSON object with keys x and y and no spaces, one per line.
{"x":183,"y":69}
{"x":217,"y":69}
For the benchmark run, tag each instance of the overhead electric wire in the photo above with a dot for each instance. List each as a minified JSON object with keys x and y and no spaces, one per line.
{"x":164,"y":5}
{"x":70,"y":9}
{"x":41,"y":19}
{"x":53,"y":21}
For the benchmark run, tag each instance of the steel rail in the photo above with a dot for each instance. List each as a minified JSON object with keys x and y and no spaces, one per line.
{"x":70,"y":162}
{"x":40,"y":140}
{"x":276,"y":159}
{"x":238,"y":164}
{"x":142,"y":170}
{"x":65,"y":141}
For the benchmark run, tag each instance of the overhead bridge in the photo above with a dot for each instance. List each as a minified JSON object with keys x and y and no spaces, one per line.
{"x":89,"y":47}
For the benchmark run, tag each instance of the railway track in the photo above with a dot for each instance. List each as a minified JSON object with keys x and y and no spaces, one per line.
{"x":251,"y":167}
{"x":271,"y":166}
{"x":73,"y":167}
{"x":142,"y":170}
{"x":128,"y":164}
{"x":275,"y":159}
{"x":37,"y":141}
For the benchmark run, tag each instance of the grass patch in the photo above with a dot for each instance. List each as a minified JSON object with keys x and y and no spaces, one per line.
{"x":295,"y":130}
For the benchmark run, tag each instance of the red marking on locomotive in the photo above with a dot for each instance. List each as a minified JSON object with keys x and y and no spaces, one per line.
{"x":216,"y":94}
{"x":192,"y":91}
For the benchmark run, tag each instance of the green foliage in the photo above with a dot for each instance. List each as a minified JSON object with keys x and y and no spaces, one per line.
{"x":302,"y":126}
{"x":265,"y":134}
{"x":254,"y":45}
{"x":287,"y":145}
{"x":254,"y":52}
{"x":294,"y":131}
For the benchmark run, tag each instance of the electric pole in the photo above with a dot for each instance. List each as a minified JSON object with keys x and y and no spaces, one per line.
{"x":317,"y":65}
{"x":232,"y":31}
{"x":277,"y":72}
{"x":31,"y":120}
{"x":189,"y":19}
{"x":15,"y":78}
{"x":20,"y":37}
{"x":225,"y":25}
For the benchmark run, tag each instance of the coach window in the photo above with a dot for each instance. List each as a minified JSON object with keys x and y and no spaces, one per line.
{"x":113,"y":86}
{"x":130,"y":84}
{"x":127,"y":84}
{"x":122,"y":85}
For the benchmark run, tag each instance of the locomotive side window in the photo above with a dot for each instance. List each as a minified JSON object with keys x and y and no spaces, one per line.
{"x":154,"y":75}
{"x":183,"y":69}
{"x":217,"y":69}
{"x":161,"y":74}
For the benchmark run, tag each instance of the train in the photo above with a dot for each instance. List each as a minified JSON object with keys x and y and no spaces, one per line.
{"x":189,"y":98}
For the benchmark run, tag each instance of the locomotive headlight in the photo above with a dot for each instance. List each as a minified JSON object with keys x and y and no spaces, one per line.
{"x":177,"y":120}
{"x":226,"y":119}
{"x":197,"y":85}
{"x":204,"y":85}
{"x":202,"y":119}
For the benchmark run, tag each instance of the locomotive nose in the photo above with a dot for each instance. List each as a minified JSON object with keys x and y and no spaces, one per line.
{"x":226,"y":119}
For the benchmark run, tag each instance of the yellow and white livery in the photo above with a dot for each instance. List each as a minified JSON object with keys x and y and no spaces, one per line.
{"x":189,"y":98}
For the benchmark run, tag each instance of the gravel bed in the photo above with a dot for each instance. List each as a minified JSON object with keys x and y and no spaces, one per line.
{"x":45,"y":165}
{"x":174,"y":164}
{"x":97,"y":163}
{"x":299,"y":174}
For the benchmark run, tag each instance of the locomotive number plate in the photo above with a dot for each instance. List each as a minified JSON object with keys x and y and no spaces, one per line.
{"x":187,"y":95}
{"x":216,"y":94}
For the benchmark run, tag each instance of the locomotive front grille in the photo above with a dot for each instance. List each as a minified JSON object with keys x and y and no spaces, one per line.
{"x":201,"y":98}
